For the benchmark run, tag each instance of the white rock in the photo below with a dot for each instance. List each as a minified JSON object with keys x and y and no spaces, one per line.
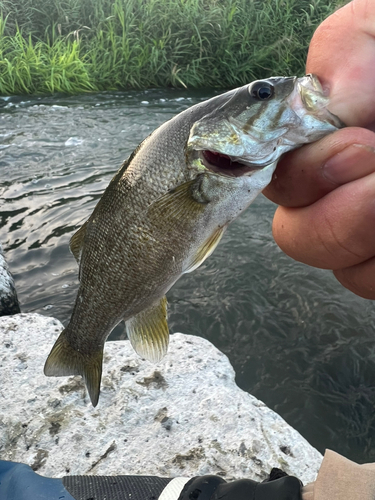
{"x":182,"y":417}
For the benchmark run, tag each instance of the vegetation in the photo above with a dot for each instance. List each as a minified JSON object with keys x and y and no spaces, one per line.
{"x":84,"y":45}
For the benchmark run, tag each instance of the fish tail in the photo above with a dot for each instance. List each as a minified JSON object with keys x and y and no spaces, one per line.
{"x":65,"y":360}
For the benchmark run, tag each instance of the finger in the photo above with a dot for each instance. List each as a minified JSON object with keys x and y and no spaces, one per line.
{"x":359,"y":279}
{"x":308,"y":492}
{"x":333,"y":233}
{"x":342,"y":55}
{"x":309,"y":173}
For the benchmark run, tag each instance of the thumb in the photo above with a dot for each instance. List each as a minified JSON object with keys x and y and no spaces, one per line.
{"x":342,"y":55}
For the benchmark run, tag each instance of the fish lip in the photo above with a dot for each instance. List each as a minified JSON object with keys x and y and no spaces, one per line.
{"x":314,"y":101}
{"x":227,"y":165}
{"x":332,"y":118}
{"x":315,"y":82}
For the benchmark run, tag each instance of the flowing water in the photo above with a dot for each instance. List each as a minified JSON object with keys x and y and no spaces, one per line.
{"x":296,"y":338}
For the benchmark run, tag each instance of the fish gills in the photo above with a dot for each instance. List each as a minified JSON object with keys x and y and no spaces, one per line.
{"x":65,"y":360}
{"x":148,"y":331}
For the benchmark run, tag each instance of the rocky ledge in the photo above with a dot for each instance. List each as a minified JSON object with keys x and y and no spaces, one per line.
{"x":8,"y":296}
{"x":182,"y":417}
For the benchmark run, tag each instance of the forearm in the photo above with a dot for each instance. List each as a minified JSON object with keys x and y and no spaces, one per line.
{"x":341,"y":479}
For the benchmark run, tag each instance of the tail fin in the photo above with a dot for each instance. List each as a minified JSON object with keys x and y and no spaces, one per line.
{"x":65,"y":360}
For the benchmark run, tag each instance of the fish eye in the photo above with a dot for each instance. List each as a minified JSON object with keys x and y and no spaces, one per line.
{"x":262,"y":91}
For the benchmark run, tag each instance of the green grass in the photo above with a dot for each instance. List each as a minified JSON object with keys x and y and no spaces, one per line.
{"x":86,"y":45}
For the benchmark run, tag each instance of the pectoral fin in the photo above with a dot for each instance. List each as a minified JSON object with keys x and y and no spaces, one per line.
{"x":184,"y":201}
{"x":76,"y":242}
{"x":206,"y":249}
{"x":148,"y":331}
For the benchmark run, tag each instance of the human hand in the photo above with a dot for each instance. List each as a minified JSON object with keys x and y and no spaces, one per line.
{"x":308,"y":492}
{"x":327,"y":189}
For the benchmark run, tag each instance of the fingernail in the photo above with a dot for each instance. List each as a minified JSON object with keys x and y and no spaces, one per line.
{"x":353,"y":162}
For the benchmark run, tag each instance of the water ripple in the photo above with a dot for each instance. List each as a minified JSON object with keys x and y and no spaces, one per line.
{"x":296,"y":338}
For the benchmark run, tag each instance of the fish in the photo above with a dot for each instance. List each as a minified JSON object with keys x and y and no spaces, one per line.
{"x":167,"y":208}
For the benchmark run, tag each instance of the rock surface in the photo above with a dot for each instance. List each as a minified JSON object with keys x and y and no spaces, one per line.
{"x":8,"y":296}
{"x":182,"y":417}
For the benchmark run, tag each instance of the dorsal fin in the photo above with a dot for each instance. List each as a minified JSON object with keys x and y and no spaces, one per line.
{"x":76,"y":242}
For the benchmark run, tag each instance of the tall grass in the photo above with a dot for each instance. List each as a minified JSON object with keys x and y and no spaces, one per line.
{"x":81,"y":45}
{"x":41,"y":67}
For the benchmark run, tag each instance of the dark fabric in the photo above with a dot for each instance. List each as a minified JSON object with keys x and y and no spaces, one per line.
{"x":20,"y":482}
{"x":285,"y":488}
{"x":275,"y":474}
{"x":243,"y":489}
{"x":115,"y":487}
{"x":279,"y":486}
{"x":200,"y":488}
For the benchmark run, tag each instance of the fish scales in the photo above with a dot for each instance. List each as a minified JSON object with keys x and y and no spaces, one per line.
{"x":124,"y":202}
{"x":167,"y":208}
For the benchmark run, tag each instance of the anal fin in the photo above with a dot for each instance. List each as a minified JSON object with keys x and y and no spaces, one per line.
{"x":148,"y":331}
{"x":206,"y":249}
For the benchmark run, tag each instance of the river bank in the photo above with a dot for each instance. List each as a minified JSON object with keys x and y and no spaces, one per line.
{"x":184,"y":416}
{"x":91,"y":45}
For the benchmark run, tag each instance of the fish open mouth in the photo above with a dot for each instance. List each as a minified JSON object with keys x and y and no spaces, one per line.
{"x":225,"y":165}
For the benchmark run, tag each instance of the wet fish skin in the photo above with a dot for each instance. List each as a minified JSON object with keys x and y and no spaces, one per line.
{"x":167,"y":208}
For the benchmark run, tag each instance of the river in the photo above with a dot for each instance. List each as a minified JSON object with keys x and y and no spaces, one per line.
{"x":296,"y":338}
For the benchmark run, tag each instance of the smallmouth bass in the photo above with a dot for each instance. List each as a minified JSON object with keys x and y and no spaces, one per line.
{"x":168,"y":206}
